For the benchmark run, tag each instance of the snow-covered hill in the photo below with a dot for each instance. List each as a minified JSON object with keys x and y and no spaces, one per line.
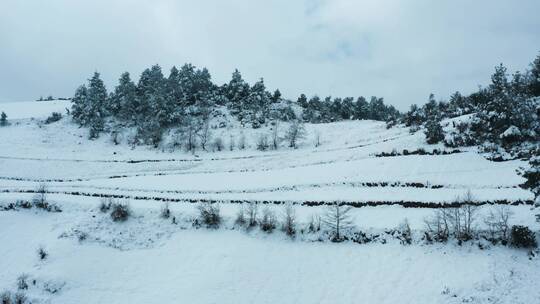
{"x":148,"y":259}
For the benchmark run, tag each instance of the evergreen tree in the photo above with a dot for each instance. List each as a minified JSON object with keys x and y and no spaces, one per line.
{"x":377,"y":109}
{"x":434,"y":132}
{"x":532,"y":176}
{"x":534,"y":82}
{"x":302,"y":101}
{"x":174,"y":96}
{"x":96,"y":101}
{"x":256,"y":105}
{"x":153,"y":113}
{"x":361,"y":108}
{"x":236,"y":92}
{"x":276,"y":97}
{"x":79,"y":105}
{"x":431,"y":108}
{"x":347,"y":108}
{"x":123,"y":101}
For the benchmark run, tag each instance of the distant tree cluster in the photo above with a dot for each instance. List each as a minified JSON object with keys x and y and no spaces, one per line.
{"x":3,"y":119}
{"x":505,"y":115}
{"x":187,"y":97}
{"x":317,"y":110}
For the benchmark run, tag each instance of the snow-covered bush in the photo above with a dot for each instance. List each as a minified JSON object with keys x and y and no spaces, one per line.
{"x":314,"y":224}
{"x":497,"y":223}
{"x":437,"y":226}
{"x":3,"y":119}
{"x":209,"y":214}
{"x":120,"y":211}
{"x":22,"y":282}
{"x":522,"y":237}
{"x":337,"y":220}
{"x":268,"y":220}
{"x":55,"y":116}
{"x":20,"y":298}
{"x":40,"y":198}
{"x":5,"y":297}
{"x":405,"y":232}
{"x":240,"y":219}
{"x":105,"y":205}
{"x":288,"y":224}
{"x":42,"y":253}
{"x":262,"y":142}
{"x":217,"y":144}
{"x":165,"y":211}
{"x":295,"y":133}
{"x":434,"y":132}
{"x":251,"y":211}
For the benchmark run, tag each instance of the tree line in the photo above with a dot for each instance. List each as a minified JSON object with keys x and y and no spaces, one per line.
{"x":188,"y":96}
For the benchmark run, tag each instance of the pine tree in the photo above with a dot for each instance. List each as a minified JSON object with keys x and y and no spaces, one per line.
{"x":532,"y":176}
{"x":152,"y":110}
{"x":257,"y":103}
{"x":123,"y":103}
{"x":96,"y":97}
{"x":79,"y":105}
{"x":276,"y":97}
{"x":236,"y":92}
{"x":361,"y":108}
{"x":534,"y":82}
{"x":434,"y":132}
{"x":302,"y":101}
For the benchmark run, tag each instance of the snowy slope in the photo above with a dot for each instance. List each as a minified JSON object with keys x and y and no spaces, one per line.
{"x":151,"y":260}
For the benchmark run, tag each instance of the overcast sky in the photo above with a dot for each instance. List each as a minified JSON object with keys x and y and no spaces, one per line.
{"x":400,"y":50}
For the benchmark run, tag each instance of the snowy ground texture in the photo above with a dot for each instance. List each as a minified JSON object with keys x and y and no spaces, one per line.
{"x":151,"y":260}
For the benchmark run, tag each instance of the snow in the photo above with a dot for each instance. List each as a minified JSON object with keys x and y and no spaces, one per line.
{"x":149,"y":259}
{"x":201,"y":266}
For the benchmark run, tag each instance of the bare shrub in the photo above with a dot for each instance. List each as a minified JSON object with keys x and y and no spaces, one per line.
{"x":497,"y":222}
{"x":240,"y":216}
{"x":268,"y":220}
{"x":22,"y":282}
{"x":165,"y":211}
{"x":251,"y":210}
{"x":337,"y":219}
{"x":314,"y":224}
{"x":317,"y":138}
{"x":5,"y":297}
{"x":262,"y":142}
{"x":437,"y":226}
{"x":242,"y":142}
{"x":204,"y":133}
{"x":295,"y":133}
{"x":40,"y":198}
{"x":19,"y":298}
{"x":405,"y":232}
{"x":120,"y":211}
{"x":231,"y":142}
{"x":105,"y":204}
{"x":209,"y":214}
{"x":289,"y":220}
{"x":42,"y":253}
{"x":218,"y":145}
{"x":275,"y":136}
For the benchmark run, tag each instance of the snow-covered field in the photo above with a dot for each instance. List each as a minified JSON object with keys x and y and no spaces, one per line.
{"x":148,"y":259}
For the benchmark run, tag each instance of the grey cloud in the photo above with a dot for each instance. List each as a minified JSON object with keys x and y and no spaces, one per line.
{"x":401,"y":50}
